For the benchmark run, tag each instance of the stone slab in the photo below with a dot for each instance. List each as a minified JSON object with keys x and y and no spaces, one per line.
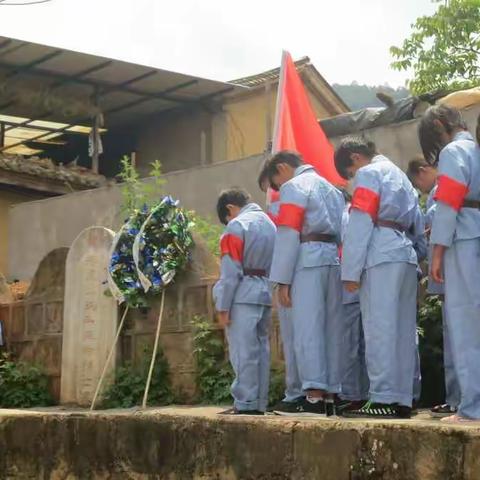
{"x":90,"y":316}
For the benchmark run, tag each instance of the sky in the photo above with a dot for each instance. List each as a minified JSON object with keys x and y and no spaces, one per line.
{"x":346,"y":40}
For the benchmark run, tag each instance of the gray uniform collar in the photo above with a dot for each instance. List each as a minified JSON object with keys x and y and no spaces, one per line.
{"x":250,"y":207}
{"x":463,"y":135}
{"x":302,"y":168}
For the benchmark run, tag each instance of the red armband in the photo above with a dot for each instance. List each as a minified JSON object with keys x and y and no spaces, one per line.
{"x":367,"y":201}
{"x":450,"y":191}
{"x":233,"y":246}
{"x":291,"y":215}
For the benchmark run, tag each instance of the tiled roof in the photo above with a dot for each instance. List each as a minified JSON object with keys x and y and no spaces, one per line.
{"x":270,"y":75}
{"x":44,"y":168}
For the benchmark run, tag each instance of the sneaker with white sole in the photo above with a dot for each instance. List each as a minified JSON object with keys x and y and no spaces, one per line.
{"x":380,"y":410}
{"x":442,"y":411}
{"x":305,"y":408}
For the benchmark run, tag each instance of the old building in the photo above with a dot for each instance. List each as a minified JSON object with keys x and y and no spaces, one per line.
{"x":67,"y":118}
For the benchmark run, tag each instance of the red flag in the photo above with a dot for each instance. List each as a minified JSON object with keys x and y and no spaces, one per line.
{"x":296,"y":126}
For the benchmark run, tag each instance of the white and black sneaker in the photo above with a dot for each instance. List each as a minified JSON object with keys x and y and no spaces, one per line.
{"x":304,"y":408}
{"x":442,"y":411}
{"x":380,"y":410}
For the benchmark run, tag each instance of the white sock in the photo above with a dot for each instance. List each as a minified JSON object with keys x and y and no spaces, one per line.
{"x":314,"y":399}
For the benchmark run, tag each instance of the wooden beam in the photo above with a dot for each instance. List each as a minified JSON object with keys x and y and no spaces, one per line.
{"x":38,"y":184}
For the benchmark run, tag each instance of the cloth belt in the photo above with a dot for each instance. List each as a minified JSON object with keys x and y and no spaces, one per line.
{"x":253,"y":272}
{"x":471,"y":204}
{"x":390,"y":224}
{"x":318,"y":237}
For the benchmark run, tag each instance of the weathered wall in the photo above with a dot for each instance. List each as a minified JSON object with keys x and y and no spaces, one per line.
{"x":179,"y":140}
{"x":239,"y":127}
{"x":51,"y":223}
{"x":399,"y":141}
{"x":180,"y":444}
{"x":7,"y":200}
{"x":34,"y":326}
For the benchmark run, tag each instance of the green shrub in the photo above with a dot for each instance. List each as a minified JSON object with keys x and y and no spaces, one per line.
{"x":214,"y":374}
{"x":22,"y":385}
{"x":277,"y":385}
{"x":209,"y":231}
{"x":431,"y":350}
{"x":129,"y":385}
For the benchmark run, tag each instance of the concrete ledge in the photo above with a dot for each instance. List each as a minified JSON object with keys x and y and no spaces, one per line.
{"x":195,"y":443}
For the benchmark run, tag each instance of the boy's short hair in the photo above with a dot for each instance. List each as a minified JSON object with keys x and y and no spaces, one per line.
{"x":415,"y":165}
{"x":294,"y":159}
{"x":348,"y":146}
{"x":231,"y":196}
{"x":429,"y":134}
{"x":263,"y":177}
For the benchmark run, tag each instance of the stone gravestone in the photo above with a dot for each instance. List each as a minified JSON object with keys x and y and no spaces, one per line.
{"x":90,"y":316}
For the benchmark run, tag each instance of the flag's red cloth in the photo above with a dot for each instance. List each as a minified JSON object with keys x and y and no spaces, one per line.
{"x":297,"y":127}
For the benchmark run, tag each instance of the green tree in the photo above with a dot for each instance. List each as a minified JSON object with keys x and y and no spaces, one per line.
{"x":443,"y":49}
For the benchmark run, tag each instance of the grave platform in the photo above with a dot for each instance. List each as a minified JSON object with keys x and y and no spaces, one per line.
{"x":195,"y":443}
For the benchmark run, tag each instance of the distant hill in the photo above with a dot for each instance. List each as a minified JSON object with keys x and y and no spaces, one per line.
{"x":362,"y":96}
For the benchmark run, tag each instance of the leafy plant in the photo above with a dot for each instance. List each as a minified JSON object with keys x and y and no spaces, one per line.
{"x":277,"y":385}
{"x":22,"y":385}
{"x":129,"y":385}
{"x":214,"y":373}
{"x":443,"y":49}
{"x":209,"y":231}
{"x":137,"y":193}
{"x":154,"y":189}
{"x":431,"y":350}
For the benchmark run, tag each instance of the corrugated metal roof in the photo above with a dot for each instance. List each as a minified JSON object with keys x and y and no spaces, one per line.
{"x":44,"y":83}
{"x":270,"y":75}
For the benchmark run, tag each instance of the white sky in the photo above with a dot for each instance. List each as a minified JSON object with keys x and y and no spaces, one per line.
{"x":220,"y":39}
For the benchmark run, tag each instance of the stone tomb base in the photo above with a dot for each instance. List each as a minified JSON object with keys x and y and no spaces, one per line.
{"x":195,"y":443}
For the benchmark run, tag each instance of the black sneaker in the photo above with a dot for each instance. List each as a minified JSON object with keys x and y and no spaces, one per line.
{"x":379,"y":410}
{"x":234,"y":411}
{"x":288,"y":407}
{"x":343,"y":406}
{"x":441,"y":411}
{"x":304,"y":408}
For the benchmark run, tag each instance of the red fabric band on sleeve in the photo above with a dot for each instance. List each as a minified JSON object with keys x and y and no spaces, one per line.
{"x":367,"y":201}
{"x":450,"y":191}
{"x":291,"y":215}
{"x":233,"y":246}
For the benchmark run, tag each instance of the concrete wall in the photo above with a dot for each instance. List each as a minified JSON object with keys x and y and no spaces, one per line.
{"x":194,"y":443}
{"x":239,"y":127}
{"x":38,"y":227}
{"x":7,"y":200}
{"x":399,"y":141}
{"x":178,"y":140}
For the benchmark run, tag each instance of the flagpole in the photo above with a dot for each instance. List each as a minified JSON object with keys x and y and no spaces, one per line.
{"x":280,"y":97}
